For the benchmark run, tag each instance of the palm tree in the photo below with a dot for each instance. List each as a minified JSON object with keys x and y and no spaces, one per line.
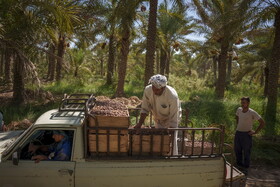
{"x":1,"y":62}
{"x":151,"y":42}
{"x":77,"y":58}
{"x":99,"y":56}
{"x":22,"y":30}
{"x":51,"y":61}
{"x":112,"y":55}
{"x":204,"y":59}
{"x":271,"y":11}
{"x":172,"y":27}
{"x":8,"y":63}
{"x":273,"y":77}
{"x":151,"y":37}
{"x":126,"y":14}
{"x":62,"y":18}
{"x":104,"y":15}
{"x":254,"y":57}
{"x":65,"y":25}
{"x":226,"y":20}
{"x":18,"y":30}
{"x":112,"y":43}
{"x":60,"y":53}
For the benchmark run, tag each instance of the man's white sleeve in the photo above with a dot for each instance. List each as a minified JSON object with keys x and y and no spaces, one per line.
{"x":237,"y":112}
{"x":174,"y":115}
{"x":256,"y":116}
{"x":145,"y":104}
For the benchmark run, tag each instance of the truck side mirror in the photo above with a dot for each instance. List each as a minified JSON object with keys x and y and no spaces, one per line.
{"x":15,"y":158}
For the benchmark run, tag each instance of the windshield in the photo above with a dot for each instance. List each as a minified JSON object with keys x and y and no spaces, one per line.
{"x":7,"y":138}
{"x":7,"y":144}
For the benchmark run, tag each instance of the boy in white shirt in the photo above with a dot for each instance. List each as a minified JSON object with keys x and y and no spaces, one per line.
{"x":245,"y":117}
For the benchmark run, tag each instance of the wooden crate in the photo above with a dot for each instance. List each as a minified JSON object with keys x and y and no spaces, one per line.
{"x":113,"y":143}
{"x":108,"y":121}
{"x":146,"y":146}
{"x":111,"y":131}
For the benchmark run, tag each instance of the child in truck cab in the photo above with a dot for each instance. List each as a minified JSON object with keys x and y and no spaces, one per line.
{"x":58,"y":151}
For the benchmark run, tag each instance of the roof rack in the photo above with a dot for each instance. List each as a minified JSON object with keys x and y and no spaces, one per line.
{"x":77,"y":103}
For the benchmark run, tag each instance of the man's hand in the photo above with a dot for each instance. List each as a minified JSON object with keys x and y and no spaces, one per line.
{"x":138,"y":126}
{"x":141,"y":120}
{"x":32,"y":148}
{"x":251,"y":133}
{"x":38,"y":158}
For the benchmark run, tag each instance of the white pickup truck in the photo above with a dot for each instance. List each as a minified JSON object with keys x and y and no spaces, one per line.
{"x":195,"y":167}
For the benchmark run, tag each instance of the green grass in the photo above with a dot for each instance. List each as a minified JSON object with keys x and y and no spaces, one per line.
{"x":267,"y":152}
{"x":29,"y":111}
{"x":96,"y":86}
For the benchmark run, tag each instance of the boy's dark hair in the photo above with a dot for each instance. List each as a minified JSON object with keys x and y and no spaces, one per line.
{"x":246,"y":99}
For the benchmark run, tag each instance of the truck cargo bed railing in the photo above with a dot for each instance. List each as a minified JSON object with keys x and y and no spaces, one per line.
{"x":110,"y":141}
{"x":191,"y":142}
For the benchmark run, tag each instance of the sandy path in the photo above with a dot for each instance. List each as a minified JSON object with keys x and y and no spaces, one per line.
{"x":263,"y":176}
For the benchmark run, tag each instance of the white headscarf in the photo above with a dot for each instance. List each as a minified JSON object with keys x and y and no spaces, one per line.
{"x":158,"y":81}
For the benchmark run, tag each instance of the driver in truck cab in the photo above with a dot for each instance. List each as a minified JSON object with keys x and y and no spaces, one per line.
{"x":162,"y":100}
{"x":60,"y":150}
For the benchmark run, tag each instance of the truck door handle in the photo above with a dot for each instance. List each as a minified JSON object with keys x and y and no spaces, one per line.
{"x":66,"y":172}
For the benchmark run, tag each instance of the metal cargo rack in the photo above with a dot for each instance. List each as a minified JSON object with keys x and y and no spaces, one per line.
{"x":77,"y":103}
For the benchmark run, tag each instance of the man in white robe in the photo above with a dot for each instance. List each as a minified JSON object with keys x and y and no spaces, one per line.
{"x":162,"y":100}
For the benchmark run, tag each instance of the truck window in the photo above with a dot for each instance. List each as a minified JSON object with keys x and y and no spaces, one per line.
{"x":46,"y":144}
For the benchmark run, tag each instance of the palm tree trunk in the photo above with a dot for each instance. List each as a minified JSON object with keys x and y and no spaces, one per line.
{"x":122,"y":65}
{"x":273,"y":76}
{"x":76,"y":71}
{"x":204,"y":70}
{"x":151,"y":41}
{"x":48,"y":62}
{"x":18,"y":83}
{"x":265,"y":80}
{"x":60,"y":54}
{"x":111,"y":60}
{"x":101,"y":67}
{"x":221,"y":82}
{"x":2,"y":64}
{"x":252,"y":78}
{"x":215,"y":67}
{"x":157,"y":61}
{"x":229,"y":67}
{"x":51,"y":59}
{"x":8,"y":64}
{"x":262,"y":79}
{"x":163,"y":57}
{"x":168,"y":58}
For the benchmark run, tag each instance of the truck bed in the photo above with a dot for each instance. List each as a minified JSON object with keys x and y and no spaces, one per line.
{"x":151,"y":173}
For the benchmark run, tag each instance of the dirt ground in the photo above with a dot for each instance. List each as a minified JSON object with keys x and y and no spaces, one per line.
{"x":5,"y":97}
{"x":263,"y":176}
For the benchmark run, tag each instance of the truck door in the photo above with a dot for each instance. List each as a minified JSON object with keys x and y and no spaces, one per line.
{"x":45,"y":173}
